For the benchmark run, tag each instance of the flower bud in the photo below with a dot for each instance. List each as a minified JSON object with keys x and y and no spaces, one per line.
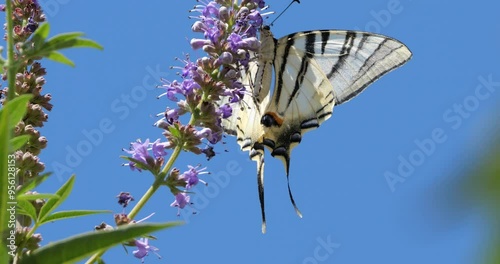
{"x":199,"y":43}
{"x":198,"y":26}
{"x":209,"y":49}
{"x":223,"y":14}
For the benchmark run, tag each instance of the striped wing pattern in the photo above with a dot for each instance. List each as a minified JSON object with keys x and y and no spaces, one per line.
{"x":314,"y":71}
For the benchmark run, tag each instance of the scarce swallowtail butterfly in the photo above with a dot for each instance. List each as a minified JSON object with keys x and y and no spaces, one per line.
{"x":314,"y":71}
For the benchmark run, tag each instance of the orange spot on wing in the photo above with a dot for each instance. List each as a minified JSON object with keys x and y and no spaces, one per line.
{"x":276,"y":118}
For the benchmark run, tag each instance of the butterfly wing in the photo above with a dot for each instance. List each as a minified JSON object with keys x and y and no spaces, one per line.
{"x":316,"y":70}
{"x":244,"y":123}
{"x":353,"y":60}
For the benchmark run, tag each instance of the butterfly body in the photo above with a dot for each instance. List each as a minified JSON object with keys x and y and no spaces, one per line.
{"x":314,"y":71}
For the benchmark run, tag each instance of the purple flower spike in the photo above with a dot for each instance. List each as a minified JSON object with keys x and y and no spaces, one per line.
{"x":229,"y":36}
{"x":143,"y":248}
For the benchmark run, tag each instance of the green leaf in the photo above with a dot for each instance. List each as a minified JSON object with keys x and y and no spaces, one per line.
{"x":61,"y":41}
{"x":32,"y":197}
{"x":26,"y":208}
{"x":11,"y":113}
{"x":175,"y":131}
{"x":78,"y":247}
{"x":19,"y":141}
{"x":71,"y":214}
{"x":87,"y":43}
{"x":16,"y":110}
{"x":42,"y":31}
{"x":40,"y":34}
{"x":63,"y":37}
{"x":70,"y":40}
{"x":53,"y":203}
{"x":39,"y":46}
{"x":32,"y":183}
{"x":59,"y":57}
{"x":4,"y":158}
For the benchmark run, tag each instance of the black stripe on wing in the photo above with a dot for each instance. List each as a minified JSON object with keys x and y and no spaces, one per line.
{"x":279,"y":75}
{"x":304,"y":65}
{"x":344,"y":53}
{"x":361,"y":43}
{"x":362,"y":71}
{"x":325,"y":36}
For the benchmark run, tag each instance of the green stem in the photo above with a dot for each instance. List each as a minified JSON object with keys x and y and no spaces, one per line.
{"x":11,"y":71}
{"x":149,"y":193}
{"x":171,"y":161}
{"x":159,"y":180}
{"x":11,"y":83}
{"x":145,"y":198}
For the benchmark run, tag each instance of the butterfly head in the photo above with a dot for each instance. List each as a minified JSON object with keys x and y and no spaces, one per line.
{"x":265,"y":32}
{"x":267,"y":47}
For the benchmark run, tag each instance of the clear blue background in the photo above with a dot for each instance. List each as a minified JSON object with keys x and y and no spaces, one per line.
{"x":337,"y":173}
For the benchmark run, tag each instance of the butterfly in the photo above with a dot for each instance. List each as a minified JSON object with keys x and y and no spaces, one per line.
{"x":313,"y":72}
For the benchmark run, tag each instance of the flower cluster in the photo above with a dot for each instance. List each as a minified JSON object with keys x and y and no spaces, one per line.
{"x":208,"y":89}
{"x":141,"y":158}
{"x":142,"y":244}
{"x":188,"y":180}
{"x":211,"y":83}
{"x":29,"y":79}
{"x":26,"y":17}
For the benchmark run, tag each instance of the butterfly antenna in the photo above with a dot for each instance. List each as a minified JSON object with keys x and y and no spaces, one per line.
{"x":298,"y":1}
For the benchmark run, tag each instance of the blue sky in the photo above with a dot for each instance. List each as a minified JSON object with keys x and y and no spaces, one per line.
{"x":338,"y":173}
